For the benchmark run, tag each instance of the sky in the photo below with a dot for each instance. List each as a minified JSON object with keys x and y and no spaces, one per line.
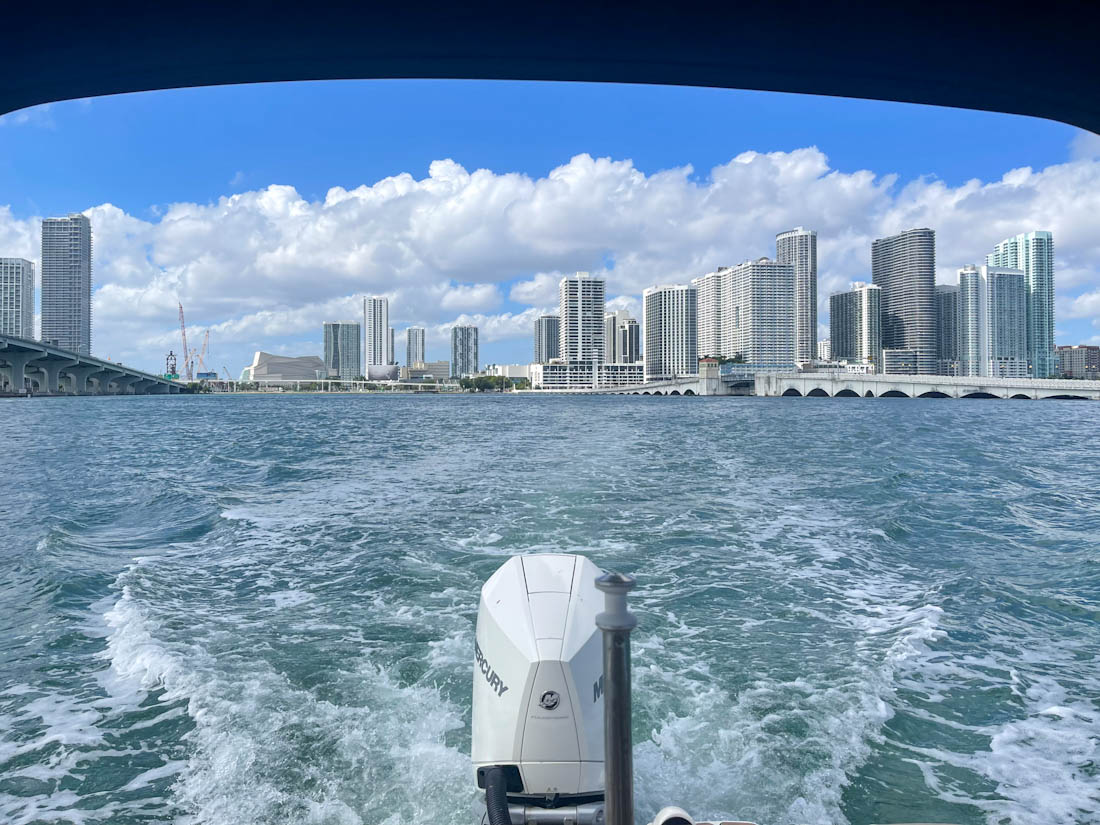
{"x":267,"y":209}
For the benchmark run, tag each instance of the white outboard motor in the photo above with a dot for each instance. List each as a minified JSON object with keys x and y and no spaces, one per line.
{"x":538,"y":725}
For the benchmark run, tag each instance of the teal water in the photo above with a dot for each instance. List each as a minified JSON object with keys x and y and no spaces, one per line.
{"x":260,"y":609}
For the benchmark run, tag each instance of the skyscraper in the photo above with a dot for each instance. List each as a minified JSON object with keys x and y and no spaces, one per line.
{"x":67,"y":283}
{"x":547,"y":338}
{"x":904,"y":266}
{"x":855,"y":325}
{"x":376,"y":336}
{"x":749,"y":312}
{"x":389,"y":347}
{"x":993,"y":322}
{"x":464,"y":359}
{"x":581,"y":300}
{"x":16,"y":297}
{"x":947,"y":329}
{"x":798,"y":247}
{"x":671,"y":329}
{"x":620,"y":337}
{"x":1033,"y":253}
{"x":343,"y":349}
{"x":415,"y":352}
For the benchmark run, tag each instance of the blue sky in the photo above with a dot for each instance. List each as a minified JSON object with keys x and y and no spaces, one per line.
{"x":169,"y":157}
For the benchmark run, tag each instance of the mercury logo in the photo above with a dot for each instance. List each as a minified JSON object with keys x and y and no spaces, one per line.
{"x":549,"y":700}
{"x":495,"y":682}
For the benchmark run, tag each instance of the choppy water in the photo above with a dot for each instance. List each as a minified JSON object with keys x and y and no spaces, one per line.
{"x":260,"y":609}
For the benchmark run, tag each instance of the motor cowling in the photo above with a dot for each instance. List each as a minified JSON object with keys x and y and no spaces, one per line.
{"x":538,"y":678}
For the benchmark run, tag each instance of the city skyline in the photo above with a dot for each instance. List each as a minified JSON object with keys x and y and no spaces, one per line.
{"x":316,"y":247}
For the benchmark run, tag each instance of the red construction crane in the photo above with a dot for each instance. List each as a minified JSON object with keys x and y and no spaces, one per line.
{"x":202,"y":355}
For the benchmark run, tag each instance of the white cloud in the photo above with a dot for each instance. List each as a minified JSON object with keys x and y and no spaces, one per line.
{"x":259,"y":266}
{"x":1085,"y":146}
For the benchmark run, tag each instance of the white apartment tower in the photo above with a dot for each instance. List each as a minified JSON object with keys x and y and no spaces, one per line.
{"x":343,"y":349}
{"x":1033,"y":253}
{"x":993,"y":322}
{"x":376,"y":336}
{"x":415,"y":351}
{"x":798,"y":247}
{"x":621,"y":338}
{"x":581,"y":310}
{"x":748,"y":310}
{"x":16,"y":297}
{"x":67,"y":283}
{"x":547,"y":338}
{"x":464,"y":356}
{"x":671,"y":331}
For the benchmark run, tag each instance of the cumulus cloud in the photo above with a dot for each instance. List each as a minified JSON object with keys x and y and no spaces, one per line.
{"x":264,"y":268}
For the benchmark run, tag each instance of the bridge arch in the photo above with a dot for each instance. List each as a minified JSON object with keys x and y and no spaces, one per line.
{"x":674,"y":392}
{"x":979,"y":395}
{"x":817,"y":392}
{"x":689,"y":392}
{"x":791,"y":392}
{"x":1067,"y":398}
{"x":868,"y":394}
{"x":933,"y":394}
{"x":893,"y":394}
{"x":1021,"y":396}
{"x":846,"y":393}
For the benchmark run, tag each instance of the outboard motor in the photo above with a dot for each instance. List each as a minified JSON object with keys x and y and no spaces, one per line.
{"x":538,"y":722}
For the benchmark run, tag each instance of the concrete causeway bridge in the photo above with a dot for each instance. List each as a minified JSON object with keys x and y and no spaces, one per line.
{"x":56,"y":371}
{"x":840,"y":385}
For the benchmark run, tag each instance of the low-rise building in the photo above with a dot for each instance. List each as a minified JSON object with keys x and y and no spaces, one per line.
{"x":1079,"y":361}
{"x":268,"y":367}
{"x":436,"y":370}
{"x":585,"y":375}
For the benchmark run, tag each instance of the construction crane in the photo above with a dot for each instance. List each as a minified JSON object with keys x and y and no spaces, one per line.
{"x":188,"y":372}
{"x":202,"y":355}
{"x":228,"y":377}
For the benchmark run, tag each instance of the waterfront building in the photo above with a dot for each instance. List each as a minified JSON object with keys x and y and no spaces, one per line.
{"x":581,"y":310}
{"x":415,"y":351}
{"x":993,"y":322}
{"x":16,"y":297}
{"x":268,"y":367}
{"x":1079,"y":361}
{"x":947,"y":329}
{"x":1033,"y":253}
{"x":904,"y":266}
{"x":436,"y":370}
{"x":900,"y":361}
{"x":67,"y":283}
{"x":671,"y":330}
{"x":585,"y":375}
{"x":798,"y":247}
{"x":824,"y":350}
{"x":621,"y":335}
{"x":513,"y":371}
{"x":855,"y":325}
{"x":547,"y":338}
{"x":342,"y":349}
{"x":464,"y":359}
{"x":749,"y":312}
{"x":376,"y":336}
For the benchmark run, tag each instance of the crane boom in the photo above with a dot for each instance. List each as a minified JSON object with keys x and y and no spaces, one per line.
{"x":186,"y":352}
{"x":202,"y":355}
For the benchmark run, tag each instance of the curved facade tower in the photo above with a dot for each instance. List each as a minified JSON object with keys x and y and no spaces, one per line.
{"x":904,"y":266}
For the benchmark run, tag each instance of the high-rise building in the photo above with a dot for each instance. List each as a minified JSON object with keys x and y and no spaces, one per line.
{"x":1033,"y":253}
{"x":547,"y":338}
{"x":798,"y":247}
{"x":581,"y":309}
{"x":1079,"y":361}
{"x":855,"y":325}
{"x":16,"y":297}
{"x":67,"y":283}
{"x":415,"y":352}
{"x":464,"y":359}
{"x":947,"y":329}
{"x":376,"y":336}
{"x":749,"y":312}
{"x":904,"y":266}
{"x":621,"y":338}
{"x":389,"y":348}
{"x":993,"y":322}
{"x":628,"y":342}
{"x":343,"y":348}
{"x":671,"y":331}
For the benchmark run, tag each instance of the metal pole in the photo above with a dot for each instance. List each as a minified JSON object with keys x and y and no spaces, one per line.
{"x":616,"y":622}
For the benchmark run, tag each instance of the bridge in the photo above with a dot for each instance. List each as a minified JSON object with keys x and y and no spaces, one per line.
{"x":26,"y":364}
{"x":834,"y":385}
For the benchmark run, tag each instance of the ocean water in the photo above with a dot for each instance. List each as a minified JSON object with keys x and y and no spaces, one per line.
{"x":250,"y":609}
